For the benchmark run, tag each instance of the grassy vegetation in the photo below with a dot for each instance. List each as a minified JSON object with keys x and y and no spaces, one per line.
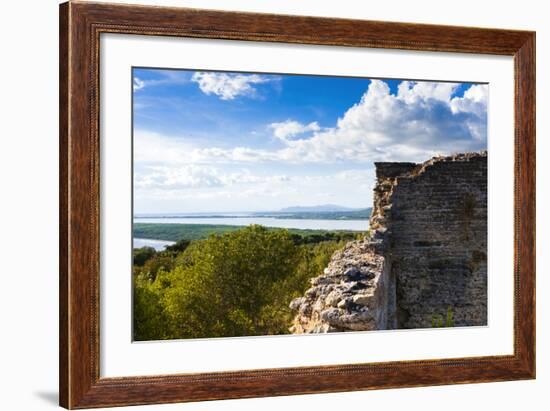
{"x":175,"y":232}
{"x":238,"y":283}
{"x":438,"y":321}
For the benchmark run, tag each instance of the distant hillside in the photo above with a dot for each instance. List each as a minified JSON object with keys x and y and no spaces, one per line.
{"x":316,"y":209}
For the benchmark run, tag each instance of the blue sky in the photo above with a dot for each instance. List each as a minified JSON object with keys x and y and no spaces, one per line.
{"x":218,"y":141}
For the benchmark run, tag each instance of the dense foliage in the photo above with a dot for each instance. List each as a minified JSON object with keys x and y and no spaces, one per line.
{"x":230,"y":284}
{"x":176,"y":231}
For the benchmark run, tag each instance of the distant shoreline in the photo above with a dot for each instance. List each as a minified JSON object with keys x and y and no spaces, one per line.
{"x":179,"y":231}
{"x":158,"y":245}
{"x":361,"y":214}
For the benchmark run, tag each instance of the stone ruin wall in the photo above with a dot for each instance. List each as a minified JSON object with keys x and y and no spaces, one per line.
{"x":426,"y":252}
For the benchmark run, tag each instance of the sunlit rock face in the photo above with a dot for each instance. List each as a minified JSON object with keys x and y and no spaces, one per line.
{"x":350,"y":295}
{"x":425,"y":256}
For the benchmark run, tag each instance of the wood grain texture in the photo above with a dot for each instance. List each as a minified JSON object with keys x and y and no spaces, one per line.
{"x":80,"y":27}
{"x":63,"y":205}
{"x":525,"y":203}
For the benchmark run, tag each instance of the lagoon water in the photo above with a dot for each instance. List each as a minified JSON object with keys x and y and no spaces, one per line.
{"x":305,"y":224}
{"x":158,"y":245}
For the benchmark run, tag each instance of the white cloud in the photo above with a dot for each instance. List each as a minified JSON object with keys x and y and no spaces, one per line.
{"x":419,"y":122}
{"x":411,"y":91}
{"x":199,"y":176}
{"x":173,"y":178}
{"x":138,"y":84}
{"x":474,"y":100}
{"x":288,"y":129}
{"x":422,"y":120}
{"x":228,"y":86}
{"x":164,"y":77}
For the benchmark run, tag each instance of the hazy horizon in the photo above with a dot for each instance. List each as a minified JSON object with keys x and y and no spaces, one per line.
{"x":280,"y":210}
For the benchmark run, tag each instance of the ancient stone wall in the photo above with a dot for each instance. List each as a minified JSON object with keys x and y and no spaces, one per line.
{"x":425,"y":255}
{"x":351,"y":295}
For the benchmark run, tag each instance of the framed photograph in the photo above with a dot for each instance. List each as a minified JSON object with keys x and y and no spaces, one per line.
{"x":259,"y":205}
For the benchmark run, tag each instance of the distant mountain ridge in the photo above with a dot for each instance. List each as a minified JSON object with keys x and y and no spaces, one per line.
{"x":317,"y":209}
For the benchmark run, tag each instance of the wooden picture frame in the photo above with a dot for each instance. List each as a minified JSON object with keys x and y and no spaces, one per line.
{"x":80,"y":27}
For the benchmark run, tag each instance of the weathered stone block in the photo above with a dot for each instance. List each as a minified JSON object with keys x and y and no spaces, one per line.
{"x":426,"y":253}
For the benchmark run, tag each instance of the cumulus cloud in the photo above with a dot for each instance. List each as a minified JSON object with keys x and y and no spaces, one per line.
{"x":420,"y":121}
{"x":474,"y":102}
{"x":412,"y":92}
{"x":288,"y":129}
{"x":228,"y":86}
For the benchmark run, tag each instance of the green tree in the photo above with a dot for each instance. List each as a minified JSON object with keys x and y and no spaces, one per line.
{"x":232,"y":284}
{"x":179,"y":246}
{"x":229,"y":280}
{"x":141,"y":255}
{"x":149,"y":317}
